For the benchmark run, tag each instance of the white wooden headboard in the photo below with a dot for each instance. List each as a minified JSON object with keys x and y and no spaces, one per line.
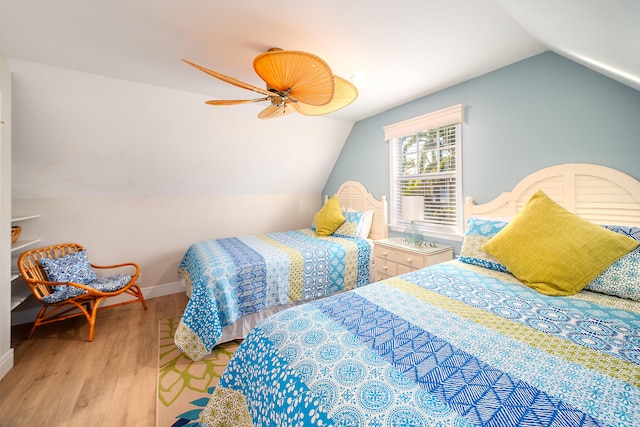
{"x":354,"y":194}
{"x":596,"y":193}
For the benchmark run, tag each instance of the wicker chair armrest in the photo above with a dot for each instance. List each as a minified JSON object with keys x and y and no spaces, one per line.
{"x":134,"y":275}
{"x":87,"y":288}
{"x":74,"y":284}
{"x":126,"y":264}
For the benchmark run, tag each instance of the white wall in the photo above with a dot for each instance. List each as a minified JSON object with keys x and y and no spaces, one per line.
{"x":156,"y":231}
{"x":83,"y":135}
{"x":6,"y":352}
{"x":137,"y":172}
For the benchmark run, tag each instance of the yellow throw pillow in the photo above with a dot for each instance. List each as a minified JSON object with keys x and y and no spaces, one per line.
{"x":555,"y":251}
{"x":329,"y":218}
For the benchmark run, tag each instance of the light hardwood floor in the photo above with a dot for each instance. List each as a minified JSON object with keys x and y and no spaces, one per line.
{"x":61,"y":379}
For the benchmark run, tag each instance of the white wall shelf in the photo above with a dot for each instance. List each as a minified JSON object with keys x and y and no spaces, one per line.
{"x":20,"y":293}
{"x":23,"y":218}
{"x":21,"y":244}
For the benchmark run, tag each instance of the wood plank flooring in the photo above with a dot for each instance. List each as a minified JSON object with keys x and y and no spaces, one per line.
{"x":61,"y":379}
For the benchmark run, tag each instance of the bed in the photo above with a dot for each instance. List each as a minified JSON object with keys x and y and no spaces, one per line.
{"x":235,"y":282}
{"x":461,"y":343}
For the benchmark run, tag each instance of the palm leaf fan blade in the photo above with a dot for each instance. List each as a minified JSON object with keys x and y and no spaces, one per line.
{"x":345,"y":94}
{"x":274,"y":111}
{"x":305,"y":77}
{"x":228,"y":79}
{"x":235,"y":101}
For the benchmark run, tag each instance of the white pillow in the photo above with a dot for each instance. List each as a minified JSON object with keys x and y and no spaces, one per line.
{"x":367,"y":221}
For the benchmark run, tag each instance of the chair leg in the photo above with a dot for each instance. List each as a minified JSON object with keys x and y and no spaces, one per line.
{"x":92,"y":325}
{"x":90,"y":310}
{"x":36,"y":323}
{"x":33,"y":329}
{"x":92,"y":318}
{"x":138,"y":294}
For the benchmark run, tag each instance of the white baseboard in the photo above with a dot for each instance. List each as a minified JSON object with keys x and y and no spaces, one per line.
{"x":162,"y":290}
{"x":6,"y":363}
{"x":20,"y":317}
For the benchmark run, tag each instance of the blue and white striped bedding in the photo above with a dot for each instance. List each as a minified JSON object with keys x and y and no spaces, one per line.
{"x":449,"y":345}
{"x":238,"y":276}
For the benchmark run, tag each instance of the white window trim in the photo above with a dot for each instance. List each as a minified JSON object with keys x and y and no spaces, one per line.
{"x":444,"y":117}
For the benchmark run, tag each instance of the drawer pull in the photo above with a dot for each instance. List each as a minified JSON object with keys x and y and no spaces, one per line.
{"x":409,"y":260}
{"x":384,"y":267}
{"x":385,"y":253}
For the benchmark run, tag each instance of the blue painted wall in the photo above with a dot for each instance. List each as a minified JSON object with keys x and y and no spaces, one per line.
{"x":539,"y":112}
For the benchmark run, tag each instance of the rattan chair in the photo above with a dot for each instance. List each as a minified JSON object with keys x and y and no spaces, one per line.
{"x":61,"y":303}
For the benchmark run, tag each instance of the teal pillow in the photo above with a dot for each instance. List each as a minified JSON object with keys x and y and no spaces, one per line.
{"x":352,"y":224}
{"x":622,"y":278}
{"x":478,"y":232}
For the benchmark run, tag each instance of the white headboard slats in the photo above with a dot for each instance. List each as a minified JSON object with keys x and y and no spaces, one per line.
{"x":597,"y":193}
{"x":354,"y":194}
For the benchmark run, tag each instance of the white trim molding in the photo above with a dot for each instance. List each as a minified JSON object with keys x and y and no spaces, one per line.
{"x":6,"y":362}
{"x":444,"y":117}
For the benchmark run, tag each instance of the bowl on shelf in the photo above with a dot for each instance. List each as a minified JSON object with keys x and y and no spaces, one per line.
{"x":15,"y":233}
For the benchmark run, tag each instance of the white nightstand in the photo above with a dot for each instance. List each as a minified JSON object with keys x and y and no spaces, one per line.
{"x":394,"y":257}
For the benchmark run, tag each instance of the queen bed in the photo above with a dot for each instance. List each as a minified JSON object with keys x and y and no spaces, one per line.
{"x":473,"y":341}
{"x":233,"y":283}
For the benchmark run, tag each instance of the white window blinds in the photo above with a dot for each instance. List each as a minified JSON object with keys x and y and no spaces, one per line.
{"x":426,"y":163}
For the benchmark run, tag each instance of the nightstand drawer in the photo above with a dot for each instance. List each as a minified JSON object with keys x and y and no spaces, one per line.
{"x":412,"y":259}
{"x":394,"y":258}
{"x":381,"y":276}
{"x":407,"y":258}
{"x":385,"y":268}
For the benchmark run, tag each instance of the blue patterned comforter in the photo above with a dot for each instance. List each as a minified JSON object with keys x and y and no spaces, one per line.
{"x":449,"y":345}
{"x":237,"y":276}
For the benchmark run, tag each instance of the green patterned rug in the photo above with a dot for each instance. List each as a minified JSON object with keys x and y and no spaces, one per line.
{"x":184,"y":386}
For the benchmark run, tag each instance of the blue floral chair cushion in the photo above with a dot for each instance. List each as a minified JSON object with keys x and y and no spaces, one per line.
{"x":111,"y":283}
{"x":103,"y":284}
{"x":62,"y":293}
{"x":76,"y":268}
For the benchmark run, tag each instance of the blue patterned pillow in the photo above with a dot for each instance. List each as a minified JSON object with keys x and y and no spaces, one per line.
{"x":69,"y":268}
{"x":479,"y":231}
{"x":352,"y":225}
{"x":622,"y":278}
{"x":62,"y":293}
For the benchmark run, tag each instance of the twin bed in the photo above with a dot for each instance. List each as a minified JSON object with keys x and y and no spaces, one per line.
{"x":233,"y":283}
{"x":466,"y":342}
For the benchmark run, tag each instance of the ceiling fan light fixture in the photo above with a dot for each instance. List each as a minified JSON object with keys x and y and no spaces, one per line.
{"x":276,"y":110}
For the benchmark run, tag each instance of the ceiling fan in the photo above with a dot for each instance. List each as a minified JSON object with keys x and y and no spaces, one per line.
{"x":296,"y":81}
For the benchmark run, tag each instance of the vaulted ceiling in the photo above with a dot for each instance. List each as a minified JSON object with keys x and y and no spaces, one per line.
{"x":407,"y":48}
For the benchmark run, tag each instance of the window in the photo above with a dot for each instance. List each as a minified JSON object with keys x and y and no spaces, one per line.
{"x":425,"y":158}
